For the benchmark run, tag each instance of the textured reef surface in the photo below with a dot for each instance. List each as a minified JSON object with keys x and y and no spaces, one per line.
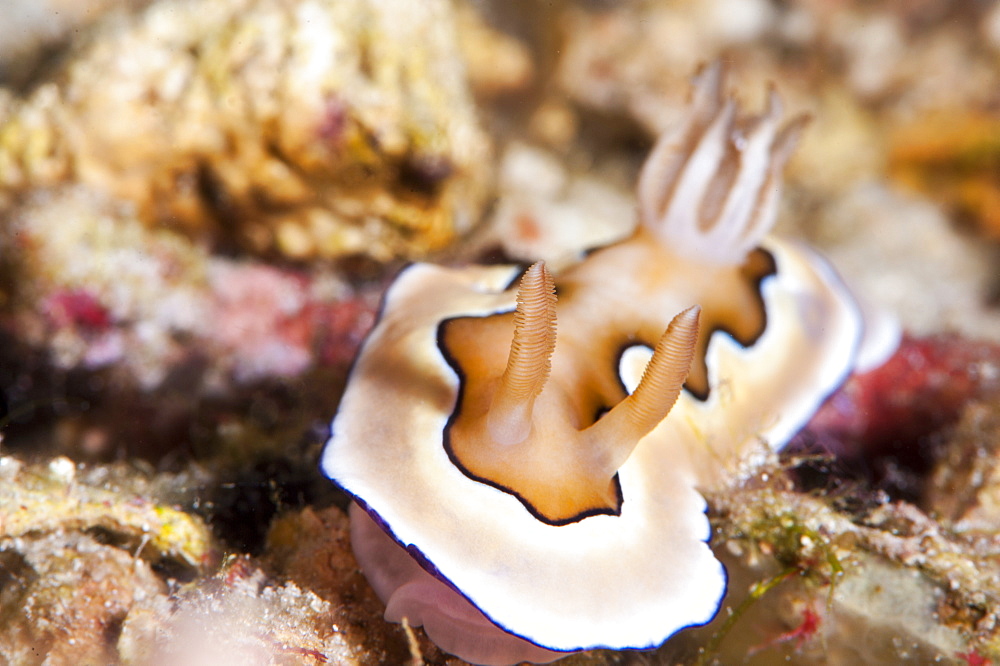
{"x":202,"y":204}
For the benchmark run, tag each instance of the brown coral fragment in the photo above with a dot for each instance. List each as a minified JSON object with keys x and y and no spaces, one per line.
{"x":312,"y":549}
{"x":313,"y":129}
{"x":65,"y":596}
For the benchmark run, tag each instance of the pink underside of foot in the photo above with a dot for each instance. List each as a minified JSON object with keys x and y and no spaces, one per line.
{"x":450,"y":620}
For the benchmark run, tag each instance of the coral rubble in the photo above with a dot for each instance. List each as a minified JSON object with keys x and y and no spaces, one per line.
{"x":310,"y":129}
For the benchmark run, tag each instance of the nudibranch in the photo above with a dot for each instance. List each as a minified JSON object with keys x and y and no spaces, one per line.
{"x":522,"y":493}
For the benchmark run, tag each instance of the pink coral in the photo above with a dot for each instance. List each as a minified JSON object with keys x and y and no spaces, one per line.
{"x":252,"y":306}
{"x":273,"y":323}
{"x":77,"y":308}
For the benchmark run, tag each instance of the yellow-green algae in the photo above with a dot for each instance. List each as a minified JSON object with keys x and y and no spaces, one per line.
{"x":38,"y":499}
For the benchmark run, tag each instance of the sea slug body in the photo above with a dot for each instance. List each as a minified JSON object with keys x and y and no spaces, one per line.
{"x":526,"y":450}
